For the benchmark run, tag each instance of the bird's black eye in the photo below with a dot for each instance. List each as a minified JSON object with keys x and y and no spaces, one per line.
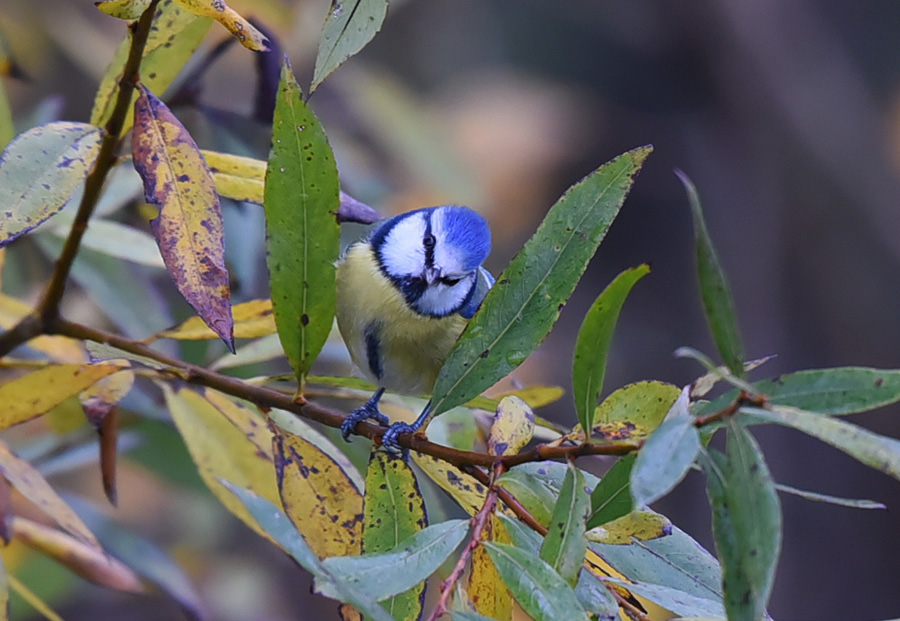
{"x":450,"y":281}
{"x":428,"y":241}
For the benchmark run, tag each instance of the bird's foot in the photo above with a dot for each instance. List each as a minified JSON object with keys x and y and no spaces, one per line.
{"x":389,"y":439}
{"x":368,"y":411}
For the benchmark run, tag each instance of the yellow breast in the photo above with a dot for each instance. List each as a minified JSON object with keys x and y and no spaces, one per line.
{"x":393,"y":345}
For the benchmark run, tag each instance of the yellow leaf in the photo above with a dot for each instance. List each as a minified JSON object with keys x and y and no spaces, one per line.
{"x":88,"y":562}
{"x":174,"y":36}
{"x":618,"y":431}
{"x":252,"y":319}
{"x":319,"y":497}
{"x":123,"y":9}
{"x":33,"y":600}
{"x":57,"y":348}
{"x":236,"y":177}
{"x":250,"y":37}
{"x":534,"y":396}
{"x":245,"y":418}
{"x":29,"y":482}
{"x":66,"y":417}
{"x":640,"y":525}
{"x":34,"y":394}
{"x":221,"y":450}
{"x":486,"y":589}
{"x":189,"y":229}
{"x":513,"y":427}
{"x":464,"y":488}
{"x":100,"y":398}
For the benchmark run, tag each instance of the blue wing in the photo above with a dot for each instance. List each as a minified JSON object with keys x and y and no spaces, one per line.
{"x":482,"y":286}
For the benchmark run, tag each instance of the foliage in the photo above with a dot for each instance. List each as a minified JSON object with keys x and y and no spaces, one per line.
{"x":552,"y":537}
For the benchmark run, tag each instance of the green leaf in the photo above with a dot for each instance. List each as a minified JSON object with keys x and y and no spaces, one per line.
{"x":7,"y":129}
{"x":461,"y":615}
{"x":675,"y":560}
{"x":281,"y":530}
{"x":541,"y":592}
{"x":349,"y":26}
{"x":523,"y":305}
{"x":394,"y":510}
{"x":666,"y":456}
{"x":746,"y":523}
{"x":174,"y":36}
{"x":611,"y":499}
{"x":40,"y":170}
{"x":302,"y":235}
{"x":594,"y":338}
{"x":643,"y":404}
{"x":595,"y":597}
{"x":681,"y":603}
{"x":876,"y":451}
{"x":853,"y":503}
{"x":379,"y":576}
{"x":564,"y":544}
{"x":521,"y":535}
{"x":717,"y":301}
{"x":532,"y":491}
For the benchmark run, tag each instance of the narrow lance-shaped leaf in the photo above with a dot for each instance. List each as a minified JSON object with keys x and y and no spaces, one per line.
{"x":636,"y":526}
{"x":876,"y":451}
{"x":592,"y":346}
{"x":666,"y":456}
{"x":523,"y":305}
{"x":40,"y":170}
{"x":252,"y":319}
{"x":302,"y":234}
{"x":7,"y":129}
{"x":746,"y":523}
{"x":717,"y":301}
{"x":123,"y":9}
{"x":189,"y":228}
{"x":512,"y":428}
{"x":540,"y":591}
{"x":349,"y":26}
{"x":679,"y":602}
{"x":243,"y":31}
{"x":380,"y":576}
{"x":394,"y":510}
{"x":485,"y":587}
{"x":564,"y":545}
{"x":854,"y":503}
{"x":174,"y":36}
{"x":280,"y":529}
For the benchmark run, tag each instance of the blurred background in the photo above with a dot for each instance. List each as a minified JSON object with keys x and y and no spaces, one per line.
{"x":786,"y":115}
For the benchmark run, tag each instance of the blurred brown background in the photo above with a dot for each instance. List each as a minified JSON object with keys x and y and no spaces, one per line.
{"x":786,"y":115}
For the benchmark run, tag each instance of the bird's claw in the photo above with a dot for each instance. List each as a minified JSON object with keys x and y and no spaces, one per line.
{"x":389,"y":439}
{"x":368,"y":411}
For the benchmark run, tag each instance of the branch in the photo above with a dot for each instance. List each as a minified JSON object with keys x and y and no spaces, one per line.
{"x":47,"y":311}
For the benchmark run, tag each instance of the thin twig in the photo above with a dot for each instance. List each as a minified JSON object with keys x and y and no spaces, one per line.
{"x":48,"y":310}
{"x":479,"y":520}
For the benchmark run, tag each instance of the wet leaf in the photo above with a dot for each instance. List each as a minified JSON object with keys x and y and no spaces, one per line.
{"x":349,"y":26}
{"x":746,"y":523}
{"x":189,"y":228}
{"x":853,"y":503}
{"x":512,"y":428}
{"x":123,"y":9}
{"x":465,"y":489}
{"x":394,"y":511}
{"x":564,"y":544}
{"x":640,"y":525}
{"x":89,"y":562}
{"x":222,"y":450}
{"x":319,"y":497}
{"x":252,"y":319}
{"x":490,"y":596}
{"x":714,"y":290}
{"x":34,"y":394}
{"x":29,"y":482}
{"x":523,"y":305}
{"x":243,"y":31}
{"x":594,"y":339}
{"x":876,"y":451}
{"x":666,"y":456}
{"x":540,"y":591}
{"x":40,"y":170}
{"x":174,"y":36}
{"x":380,"y":576}
{"x":282,"y":531}
{"x":302,"y":235}
{"x":681,"y":603}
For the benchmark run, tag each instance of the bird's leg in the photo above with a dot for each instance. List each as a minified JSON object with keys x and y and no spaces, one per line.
{"x":368,"y":410}
{"x":389,"y":439}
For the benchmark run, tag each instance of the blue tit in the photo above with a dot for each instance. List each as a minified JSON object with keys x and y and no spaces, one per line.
{"x":404,"y":295}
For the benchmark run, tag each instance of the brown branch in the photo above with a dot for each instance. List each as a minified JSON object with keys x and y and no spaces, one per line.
{"x":48,"y":310}
{"x":478,"y":523}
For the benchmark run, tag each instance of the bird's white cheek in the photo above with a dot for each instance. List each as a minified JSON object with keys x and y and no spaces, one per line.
{"x":440,"y":300}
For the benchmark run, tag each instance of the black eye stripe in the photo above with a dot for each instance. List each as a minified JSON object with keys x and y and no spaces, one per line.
{"x":450,"y":281}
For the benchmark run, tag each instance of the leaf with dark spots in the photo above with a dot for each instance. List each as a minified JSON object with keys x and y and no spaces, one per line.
{"x":349,"y":26}
{"x":189,"y":228}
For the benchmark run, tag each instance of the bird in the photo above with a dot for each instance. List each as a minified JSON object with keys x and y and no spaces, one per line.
{"x":405,"y":292}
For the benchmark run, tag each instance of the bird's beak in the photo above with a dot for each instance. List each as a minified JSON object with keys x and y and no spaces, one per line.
{"x":432,"y":274}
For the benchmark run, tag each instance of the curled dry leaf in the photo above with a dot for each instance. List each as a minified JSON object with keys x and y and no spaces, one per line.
{"x":243,"y":31}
